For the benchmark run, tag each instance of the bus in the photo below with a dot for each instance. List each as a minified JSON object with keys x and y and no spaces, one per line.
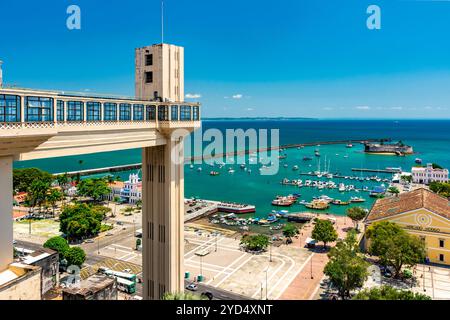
{"x":126,"y":285}
{"x":123,"y":275}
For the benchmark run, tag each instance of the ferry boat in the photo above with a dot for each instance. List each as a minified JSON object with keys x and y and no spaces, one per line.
{"x":318,"y":204}
{"x":235,"y":208}
{"x":357,"y":199}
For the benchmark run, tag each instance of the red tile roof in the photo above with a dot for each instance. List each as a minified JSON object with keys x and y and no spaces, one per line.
{"x":408,"y":201}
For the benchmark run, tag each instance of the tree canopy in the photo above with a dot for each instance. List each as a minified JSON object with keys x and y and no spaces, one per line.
{"x":58,"y":244}
{"x":81,"y":220}
{"x":75,"y":256}
{"x":324,"y":231}
{"x":93,"y":188}
{"x":356,"y":214}
{"x":441,"y":188}
{"x":389,"y":293}
{"x":255,"y":242}
{"x":394,"y":246}
{"x":346,"y":268}
{"x":23,"y":178}
{"x":290,"y":230}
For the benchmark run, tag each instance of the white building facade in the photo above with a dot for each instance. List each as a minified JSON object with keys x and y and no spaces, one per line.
{"x":428,"y":174}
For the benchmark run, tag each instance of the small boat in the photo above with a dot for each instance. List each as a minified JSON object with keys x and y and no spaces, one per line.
{"x":199,"y":169}
{"x":349,"y":145}
{"x":282,"y":156}
{"x":295,"y":168}
{"x":357,"y":199}
{"x":341,"y":187}
{"x":285,"y":165}
{"x":242,"y":166}
{"x":191,"y":166}
{"x":317,"y":154}
{"x":307,"y":158}
{"x":230,"y":170}
{"x":418,"y":160}
{"x":214,"y":173}
{"x":340,"y":202}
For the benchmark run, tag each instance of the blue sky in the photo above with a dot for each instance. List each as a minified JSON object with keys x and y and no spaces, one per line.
{"x":302,"y":58}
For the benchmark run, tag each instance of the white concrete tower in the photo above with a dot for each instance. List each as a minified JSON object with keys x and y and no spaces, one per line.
{"x":160,"y":72}
{"x":160,"y":76}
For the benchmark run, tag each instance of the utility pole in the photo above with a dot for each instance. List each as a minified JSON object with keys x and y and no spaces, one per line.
{"x":267,"y":289}
{"x":270,"y":251}
{"x":312,"y":277}
{"x":216,"y":244}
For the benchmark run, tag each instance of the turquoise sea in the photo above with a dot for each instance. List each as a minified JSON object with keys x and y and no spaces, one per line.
{"x":430,"y":139}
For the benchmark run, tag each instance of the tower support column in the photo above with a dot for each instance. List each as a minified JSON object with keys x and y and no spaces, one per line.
{"x":6,"y":202}
{"x":163,"y":219}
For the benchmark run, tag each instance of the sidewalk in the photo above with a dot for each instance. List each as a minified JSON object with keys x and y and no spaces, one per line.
{"x":303,"y":287}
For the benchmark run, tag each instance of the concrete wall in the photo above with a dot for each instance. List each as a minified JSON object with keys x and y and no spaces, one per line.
{"x":168,"y":72}
{"x":26,"y":287}
{"x":6,"y":200}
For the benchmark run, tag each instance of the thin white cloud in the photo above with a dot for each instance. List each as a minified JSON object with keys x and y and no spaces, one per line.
{"x":362,"y":107}
{"x":328,"y":108}
{"x":237,"y":96}
{"x":193,"y":95}
{"x":397,"y":108}
{"x":250,"y":109}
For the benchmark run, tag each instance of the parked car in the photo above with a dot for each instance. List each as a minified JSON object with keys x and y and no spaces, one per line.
{"x":127,"y":270}
{"x":192,"y":287}
{"x":89,"y":241}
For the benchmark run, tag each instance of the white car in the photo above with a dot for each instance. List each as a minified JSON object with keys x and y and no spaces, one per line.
{"x":192,"y":287}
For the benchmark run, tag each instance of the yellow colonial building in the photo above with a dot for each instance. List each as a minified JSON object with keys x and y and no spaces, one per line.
{"x":423,"y":214}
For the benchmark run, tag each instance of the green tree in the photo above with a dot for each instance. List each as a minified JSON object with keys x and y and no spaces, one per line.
{"x":37,"y":193}
{"x":389,"y":293}
{"x":393,"y":190}
{"x":255,"y":242}
{"x":406,"y":178}
{"x":394,"y":246}
{"x":441,"y":188}
{"x":290,"y":230}
{"x":324,"y":231}
{"x":356,"y":214}
{"x":23,"y":178}
{"x":80,"y":221}
{"x":138,"y":243}
{"x":58,"y":244}
{"x":53,"y":197}
{"x":346,"y":269}
{"x":93,"y":188}
{"x":75,"y":256}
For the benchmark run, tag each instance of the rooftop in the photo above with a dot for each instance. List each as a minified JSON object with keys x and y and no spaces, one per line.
{"x":409,"y":201}
{"x":91,"y":285}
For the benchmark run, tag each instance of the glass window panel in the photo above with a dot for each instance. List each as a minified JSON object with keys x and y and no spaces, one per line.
{"x":110,"y":111}
{"x":125,"y":111}
{"x":151,"y":112}
{"x":138,"y":112}
{"x":75,"y":111}
{"x":9,"y":108}
{"x":185,"y":113}
{"x":174,"y":113}
{"x":93,"y":110}
{"x":163,"y":113}
{"x":60,"y":110}
{"x":38,"y":109}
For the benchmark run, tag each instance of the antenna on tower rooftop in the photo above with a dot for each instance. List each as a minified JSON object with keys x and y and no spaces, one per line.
{"x":162,"y":21}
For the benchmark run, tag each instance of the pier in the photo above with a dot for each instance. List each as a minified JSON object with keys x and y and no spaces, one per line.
{"x":377,"y":170}
{"x":112,"y":169}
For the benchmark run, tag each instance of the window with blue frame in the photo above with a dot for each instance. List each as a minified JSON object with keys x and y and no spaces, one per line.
{"x":38,"y":109}
{"x":125,"y":111}
{"x":185,"y":113}
{"x":151,"y":112}
{"x":138,"y":112}
{"x":93,"y":110}
{"x":75,"y":111}
{"x":163,"y":113}
{"x":174,"y":113}
{"x":110,"y":111}
{"x":9,"y":108}
{"x":195,"y":113}
{"x":59,"y":110}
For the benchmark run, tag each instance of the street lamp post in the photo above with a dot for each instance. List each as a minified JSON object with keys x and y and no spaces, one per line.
{"x":270,"y":251}
{"x":98,"y":245}
{"x":216,"y":243}
{"x":312,"y":277}
{"x":267,"y":289}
